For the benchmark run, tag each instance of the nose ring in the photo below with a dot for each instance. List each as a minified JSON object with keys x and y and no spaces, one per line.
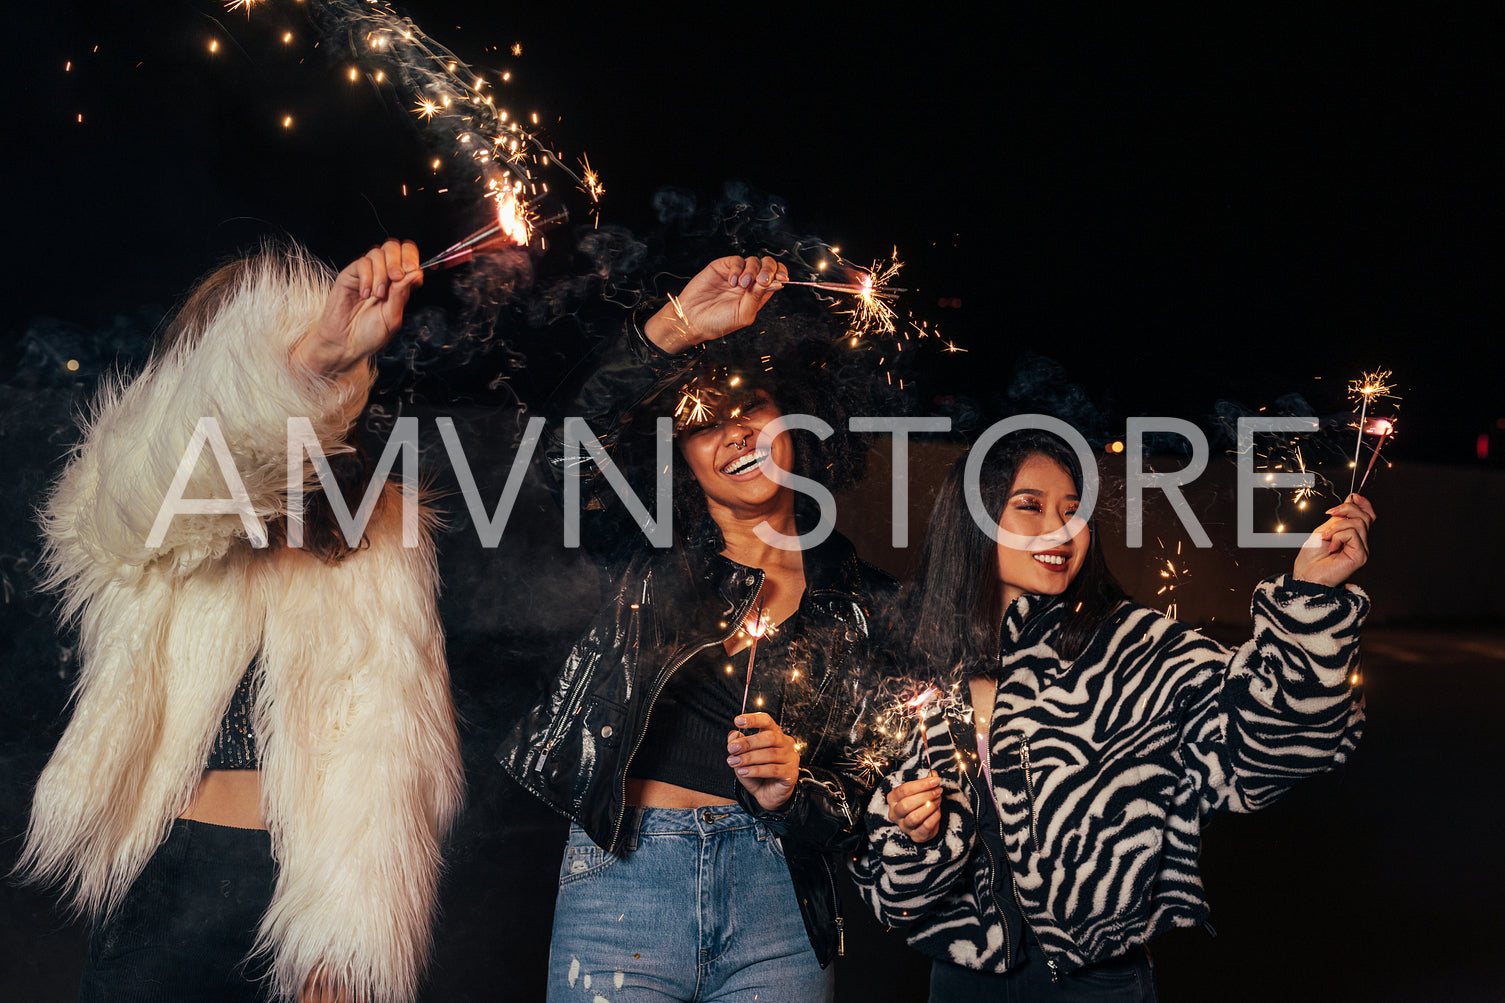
{"x":742,"y":443}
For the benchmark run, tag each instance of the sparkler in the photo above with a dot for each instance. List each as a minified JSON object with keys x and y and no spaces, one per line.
{"x":917,"y":704}
{"x":871,"y":313}
{"x":1381,"y":427}
{"x":756,"y":626}
{"x":1366,"y":388}
{"x":511,"y":228}
{"x":456,"y":105}
{"x":856,"y":288}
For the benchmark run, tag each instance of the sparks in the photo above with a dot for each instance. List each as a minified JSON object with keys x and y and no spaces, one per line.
{"x":1173,"y":578}
{"x":591,"y":181}
{"x":1366,"y":389}
{"x":691,"y":401}
{"x":871,"y":313}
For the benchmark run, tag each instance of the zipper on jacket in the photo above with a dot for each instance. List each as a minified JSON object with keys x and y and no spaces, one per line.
{"x":1029,"y":783}
{"x":993,"y":868}
{"x":734,"y":624}
{"x":572,"y":707}
{"x":841,"y":933}
{"x":1029,"y":786}
{"x":561,"y":722}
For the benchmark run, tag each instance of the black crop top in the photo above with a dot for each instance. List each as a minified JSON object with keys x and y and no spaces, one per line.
{"x":235,"y":746}
{"x":685,"y":743}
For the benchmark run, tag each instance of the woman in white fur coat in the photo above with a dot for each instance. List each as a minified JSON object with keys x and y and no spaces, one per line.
{"x":262,"y":758}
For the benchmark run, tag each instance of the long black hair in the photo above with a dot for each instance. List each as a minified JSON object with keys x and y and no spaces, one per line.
{"x":955,"y":606}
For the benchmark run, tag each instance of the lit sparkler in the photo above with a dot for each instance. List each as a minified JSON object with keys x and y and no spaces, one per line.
{"x":917,"y":704}
{"x":591,"y":181}
{"x":457,"y":106}
{"x":511,"y":229}
{"x":871,"y":313}
{"x":1366,"y":388}
{"x":755,"y":627}
{"x":856,"y":288}
{"x":1382,"y":427}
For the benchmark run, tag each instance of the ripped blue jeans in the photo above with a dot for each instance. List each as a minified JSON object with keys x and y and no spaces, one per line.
{"x":698,"y":907}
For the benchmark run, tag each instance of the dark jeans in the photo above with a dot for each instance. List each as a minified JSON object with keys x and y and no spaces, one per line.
{"x":185,"y":927}
{"x":1126,"y":978}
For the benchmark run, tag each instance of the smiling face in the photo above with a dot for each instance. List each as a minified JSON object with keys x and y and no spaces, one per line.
{"x":1041,"y":506}
{"x":722,"y":452}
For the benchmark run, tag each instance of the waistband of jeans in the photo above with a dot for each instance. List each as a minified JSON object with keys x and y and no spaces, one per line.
{"x":707,"y":820}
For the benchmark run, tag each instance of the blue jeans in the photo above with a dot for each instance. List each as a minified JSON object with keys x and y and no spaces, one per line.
{"x":1127,"y":978}
{"x":698,"y":907}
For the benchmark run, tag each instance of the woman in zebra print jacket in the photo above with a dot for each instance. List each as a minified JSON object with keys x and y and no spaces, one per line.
{"x":1059,"y":831}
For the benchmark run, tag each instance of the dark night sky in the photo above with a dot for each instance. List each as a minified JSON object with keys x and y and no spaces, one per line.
{"x":1230,"y":203}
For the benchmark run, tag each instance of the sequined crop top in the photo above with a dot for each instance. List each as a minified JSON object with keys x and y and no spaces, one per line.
{"x":235,"y":746}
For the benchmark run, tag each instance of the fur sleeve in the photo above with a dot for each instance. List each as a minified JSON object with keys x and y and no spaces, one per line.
{"x":100,"y":513}
{"x":360,"y":765}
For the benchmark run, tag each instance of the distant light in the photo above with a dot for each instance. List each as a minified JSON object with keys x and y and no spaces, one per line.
{"x":1482,"y":448}
{"x":1280,"y":528}
{"x":71,"y":365}
{"x":353,"y":74}
{"x":287,"y":37}
{"x":1116,"y":446}
{"x":214,"y":45}
{"x":287,"y":121}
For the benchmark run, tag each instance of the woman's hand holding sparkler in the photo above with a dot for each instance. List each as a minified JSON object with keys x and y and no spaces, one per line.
{"x":767,"y":763}
{"x":1338,"y":547}
{"x":363,"y":311}
{"x":915,"y":807}
{"x":724,"y":297}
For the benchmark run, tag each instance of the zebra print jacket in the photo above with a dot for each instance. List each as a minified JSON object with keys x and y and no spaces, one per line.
{"x":1103,"y":769}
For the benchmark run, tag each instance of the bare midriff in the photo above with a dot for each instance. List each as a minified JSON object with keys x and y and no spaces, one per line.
{"x":228,"y":797}
{"x":657,"y":794}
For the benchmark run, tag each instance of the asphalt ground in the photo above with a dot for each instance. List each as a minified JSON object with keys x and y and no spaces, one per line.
{"x":1381,"y":882}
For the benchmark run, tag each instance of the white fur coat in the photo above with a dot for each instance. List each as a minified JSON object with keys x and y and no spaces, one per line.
{"x":359,"y":752}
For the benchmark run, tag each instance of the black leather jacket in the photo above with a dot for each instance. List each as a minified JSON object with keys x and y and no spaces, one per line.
{"x":573,"y":749}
